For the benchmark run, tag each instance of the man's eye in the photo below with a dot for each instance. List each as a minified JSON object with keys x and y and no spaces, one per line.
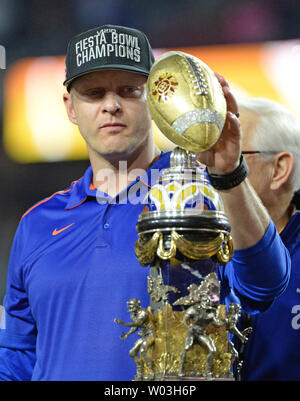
{"x":130,"y":91}
{"x":96,"y":92}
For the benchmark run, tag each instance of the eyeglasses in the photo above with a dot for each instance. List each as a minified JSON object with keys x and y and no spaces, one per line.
{"x":252,"y":152}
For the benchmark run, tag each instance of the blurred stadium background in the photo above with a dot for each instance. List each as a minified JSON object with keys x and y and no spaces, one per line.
{"x":255,"y":44}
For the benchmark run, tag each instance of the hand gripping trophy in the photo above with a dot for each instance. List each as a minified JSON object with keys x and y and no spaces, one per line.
{"x":184,"y":233}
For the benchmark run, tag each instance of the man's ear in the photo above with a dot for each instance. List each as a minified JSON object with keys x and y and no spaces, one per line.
{"x":67,"y":98}
{"x":283,"y":167}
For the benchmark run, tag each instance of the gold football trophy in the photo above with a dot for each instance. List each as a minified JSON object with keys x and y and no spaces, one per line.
{"x":184,"y":235}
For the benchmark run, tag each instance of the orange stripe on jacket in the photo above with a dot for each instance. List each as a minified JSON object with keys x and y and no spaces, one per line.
{"x":69,"y":208}
{"x":46,"y":200}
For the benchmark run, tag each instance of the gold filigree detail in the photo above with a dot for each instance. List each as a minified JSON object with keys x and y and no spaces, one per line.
{"x":164,"y":254}
{"x":196,"y":250}
{"x":157,"y":290}
{"x":145,"y":252}
{"x":225,"y":253}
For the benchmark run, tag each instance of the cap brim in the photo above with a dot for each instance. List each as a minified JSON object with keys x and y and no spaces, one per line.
{"x":67,"y":82}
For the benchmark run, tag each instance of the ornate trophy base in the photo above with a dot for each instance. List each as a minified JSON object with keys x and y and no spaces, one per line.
{"x":197,"y":378}
{"x":184,"y":378}
{"x":174,"y":359}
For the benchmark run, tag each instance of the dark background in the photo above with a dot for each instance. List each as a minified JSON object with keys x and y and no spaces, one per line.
{"x":32,"y":28}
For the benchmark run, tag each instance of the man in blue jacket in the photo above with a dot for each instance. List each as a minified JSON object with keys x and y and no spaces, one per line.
{"x":271,"y":143}
{"x":72,"y":266}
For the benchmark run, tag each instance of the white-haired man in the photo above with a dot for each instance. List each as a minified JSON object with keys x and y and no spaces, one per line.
{"x":271,"y":146}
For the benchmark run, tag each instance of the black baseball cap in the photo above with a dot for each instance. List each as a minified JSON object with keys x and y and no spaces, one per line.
{"x":108,"y":47}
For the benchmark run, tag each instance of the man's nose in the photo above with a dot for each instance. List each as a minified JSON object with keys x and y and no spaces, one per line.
{"x":111,"y":103}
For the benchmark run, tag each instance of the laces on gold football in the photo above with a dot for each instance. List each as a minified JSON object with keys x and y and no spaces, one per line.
{"x":197,"y":75}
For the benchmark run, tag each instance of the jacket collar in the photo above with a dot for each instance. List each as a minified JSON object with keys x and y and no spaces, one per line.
{"x":83,"y":188}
